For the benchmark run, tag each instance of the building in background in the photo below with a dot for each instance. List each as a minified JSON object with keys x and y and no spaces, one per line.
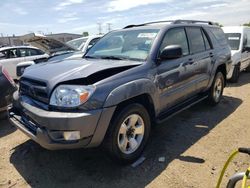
{"x":15,"y":40}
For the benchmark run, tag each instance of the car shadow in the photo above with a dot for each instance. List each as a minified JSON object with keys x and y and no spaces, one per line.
{"x":91,"y":168}
{"x":6,"y":128}
{"x":243,"y":80}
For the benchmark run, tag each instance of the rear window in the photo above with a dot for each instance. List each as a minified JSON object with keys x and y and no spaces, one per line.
{"x":219,"y":35}
{"x":234,"y":40}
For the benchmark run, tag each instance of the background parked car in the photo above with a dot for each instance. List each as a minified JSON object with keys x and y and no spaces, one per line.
{"x":57,"y":50}
{"x":239,"y":41}
{"x":11,"y":56}
{"x":84,"y":43}
{"x":7,"y":87}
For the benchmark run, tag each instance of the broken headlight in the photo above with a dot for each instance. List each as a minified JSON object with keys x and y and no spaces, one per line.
{"x":69,"y":96}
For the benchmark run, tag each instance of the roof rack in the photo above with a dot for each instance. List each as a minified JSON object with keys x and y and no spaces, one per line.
{"x":173,"y":22}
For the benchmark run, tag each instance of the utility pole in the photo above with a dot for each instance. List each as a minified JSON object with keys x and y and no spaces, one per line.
{"x":109,"y":27}
{"x":99,"y":28}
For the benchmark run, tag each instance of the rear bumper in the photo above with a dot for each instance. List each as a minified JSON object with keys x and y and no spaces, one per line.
{"x":47,"y":127}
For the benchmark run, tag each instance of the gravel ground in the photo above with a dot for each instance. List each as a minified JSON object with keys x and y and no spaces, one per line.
{"x":195,"y":144}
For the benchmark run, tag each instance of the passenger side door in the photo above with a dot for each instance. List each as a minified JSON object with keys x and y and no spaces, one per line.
{"x":202,"y":55}
{"x":175,"y":76}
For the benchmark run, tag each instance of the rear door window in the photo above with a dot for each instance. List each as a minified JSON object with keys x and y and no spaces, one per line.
{"x":176,"y":36}
{"x":195,"y":39}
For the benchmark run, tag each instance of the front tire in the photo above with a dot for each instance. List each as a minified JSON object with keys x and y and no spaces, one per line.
{"x":216,"y":90}
{"x":128,"y":133}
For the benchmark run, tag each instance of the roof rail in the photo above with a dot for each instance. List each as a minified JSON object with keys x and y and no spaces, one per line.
{"x":173,"y":22}
{"x":193,"y":22}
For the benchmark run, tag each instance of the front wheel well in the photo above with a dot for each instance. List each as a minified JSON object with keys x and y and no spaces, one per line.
{"x":143,"y":99}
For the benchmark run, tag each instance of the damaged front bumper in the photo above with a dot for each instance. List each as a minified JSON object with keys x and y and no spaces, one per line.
{"x":48,"y":128}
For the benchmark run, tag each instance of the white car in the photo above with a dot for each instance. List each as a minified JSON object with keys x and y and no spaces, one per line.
{"x":10,"y":57}
{"x":55,"y":49}
{"x":84,"y":43}
{"x":239,"y":41}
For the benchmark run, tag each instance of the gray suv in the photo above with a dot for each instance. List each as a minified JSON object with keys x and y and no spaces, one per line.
{"x":128,"y":80}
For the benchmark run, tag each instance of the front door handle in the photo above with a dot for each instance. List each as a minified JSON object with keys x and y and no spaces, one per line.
{"x":211,"y":54}
{"x":189,"y":62}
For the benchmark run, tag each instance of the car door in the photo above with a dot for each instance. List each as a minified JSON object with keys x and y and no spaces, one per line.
{"x":245,"y":55}
{"x":175,"y":76}
{"x":13,"y":58}
{"x":202,"y":56}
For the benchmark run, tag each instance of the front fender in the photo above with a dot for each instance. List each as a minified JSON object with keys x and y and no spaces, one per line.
{"x":130,"y":90}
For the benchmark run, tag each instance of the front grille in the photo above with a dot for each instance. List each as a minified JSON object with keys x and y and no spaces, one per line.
{"x":34,"y":89}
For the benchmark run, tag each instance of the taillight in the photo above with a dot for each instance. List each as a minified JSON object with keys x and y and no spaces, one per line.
{"x":6,"y":74}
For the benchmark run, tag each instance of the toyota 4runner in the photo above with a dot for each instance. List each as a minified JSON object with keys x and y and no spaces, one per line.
{"x":127,"y":80}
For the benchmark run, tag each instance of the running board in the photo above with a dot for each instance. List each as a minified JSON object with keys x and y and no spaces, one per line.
{"x":180,"y":107}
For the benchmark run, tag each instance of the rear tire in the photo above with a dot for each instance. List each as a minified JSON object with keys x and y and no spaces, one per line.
{"x":128,"y":133}
{"x":236,"y":74}
{"x":216,"y":90}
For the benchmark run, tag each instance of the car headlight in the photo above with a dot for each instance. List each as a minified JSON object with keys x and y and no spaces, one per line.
{"x":71,"y":95}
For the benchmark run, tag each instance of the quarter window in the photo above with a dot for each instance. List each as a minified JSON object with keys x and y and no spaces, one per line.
{"x":195,"y":39}
{"x":207,"y":44}
{"x":176,"y":36}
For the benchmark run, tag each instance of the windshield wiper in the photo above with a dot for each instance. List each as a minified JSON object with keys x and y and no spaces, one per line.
{"x":112,"y":57}
{"x":88,"y":56}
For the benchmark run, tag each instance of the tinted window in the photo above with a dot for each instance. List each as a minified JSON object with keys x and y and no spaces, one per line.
{"x":23,"y":52}
{"x":233,"y":40}
{"x":32,"y":52}
{"x":207,"y":44}
{"x":176,"y":36}
{"x":195,"y":39}
{"x":13,"y":53}
{"x":219,"y":35}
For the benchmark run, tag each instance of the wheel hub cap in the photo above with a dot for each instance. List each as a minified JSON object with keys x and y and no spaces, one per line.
{"x":131,"y":134}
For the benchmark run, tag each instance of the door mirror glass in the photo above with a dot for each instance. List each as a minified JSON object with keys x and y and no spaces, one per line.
{"x":171,"y":52}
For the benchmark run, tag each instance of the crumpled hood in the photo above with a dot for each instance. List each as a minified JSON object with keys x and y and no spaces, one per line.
{"x":56,"y":72}
{"x":45,"y":43}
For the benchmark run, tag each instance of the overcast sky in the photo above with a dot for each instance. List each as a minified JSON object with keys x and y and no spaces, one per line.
{"x":23,"y":16}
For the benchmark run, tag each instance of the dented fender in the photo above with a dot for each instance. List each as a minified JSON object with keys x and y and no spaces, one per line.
{"x":130,"y":90}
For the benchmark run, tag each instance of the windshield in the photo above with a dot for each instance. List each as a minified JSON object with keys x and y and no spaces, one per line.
{"x":77,"y":42}
{"x":234,"y":40}
{"x":130,"y":44}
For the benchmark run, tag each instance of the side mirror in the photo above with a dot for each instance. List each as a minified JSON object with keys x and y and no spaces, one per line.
{"x":171,"y":52}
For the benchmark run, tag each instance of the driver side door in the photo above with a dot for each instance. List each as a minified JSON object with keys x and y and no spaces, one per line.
{"x":175,"y":76}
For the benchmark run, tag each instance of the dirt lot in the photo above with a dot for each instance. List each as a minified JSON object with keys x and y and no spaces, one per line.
{"x":195,"y":143}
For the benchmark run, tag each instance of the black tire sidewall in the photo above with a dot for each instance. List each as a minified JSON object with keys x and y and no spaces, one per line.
{"x":115,"y":127}
{"x":211,"y":95}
